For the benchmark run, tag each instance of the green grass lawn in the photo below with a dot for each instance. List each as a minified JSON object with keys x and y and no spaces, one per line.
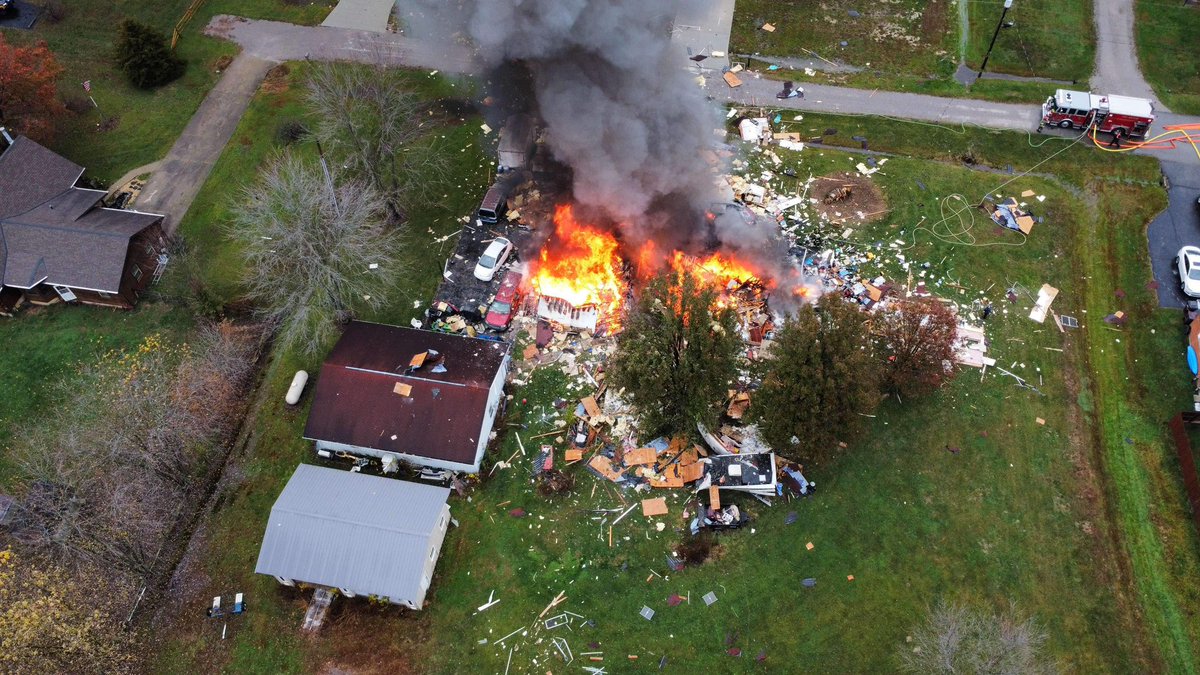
{"x":43,"y":347}
{"x":916,"y":46}
{"x":148,"y":121}
{"x":907,"y":36}
{"x":1167,"y":36}
{"x":1043,"y":515}
{"x":1049,"y":38}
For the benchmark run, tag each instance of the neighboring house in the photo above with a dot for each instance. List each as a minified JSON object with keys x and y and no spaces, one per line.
{"x":401,"y":394}
{"x":57,"y":242}
{"x":363,"y":535}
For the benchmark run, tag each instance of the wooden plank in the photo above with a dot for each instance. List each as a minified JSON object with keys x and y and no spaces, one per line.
{"x":604,"y":467}
{"x":669,"y":479}
{"x":691,"y":472}
{"x":714,"y":498}
{"x":654,"y":507}
{"x":589,"y":406}
{"x":573,"y":455}
{"x":640,"y":456}
{"x":417,"y":360}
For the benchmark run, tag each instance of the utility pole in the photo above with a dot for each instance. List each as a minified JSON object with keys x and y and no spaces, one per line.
{"x":999,"y":25}
{"x":328,"y":179}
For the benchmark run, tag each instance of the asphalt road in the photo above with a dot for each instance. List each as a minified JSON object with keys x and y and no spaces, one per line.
{"x":278,"y":41}
{"x":178,"y":179}
{"x":823,"y":98}
{"x":1117,"y":69}
{"x":1177,"y":226}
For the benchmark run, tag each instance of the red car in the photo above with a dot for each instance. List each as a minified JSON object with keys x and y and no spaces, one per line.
{"x":500,"y":314}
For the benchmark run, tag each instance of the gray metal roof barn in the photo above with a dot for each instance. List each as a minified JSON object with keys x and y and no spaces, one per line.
{"x":365,"y":535}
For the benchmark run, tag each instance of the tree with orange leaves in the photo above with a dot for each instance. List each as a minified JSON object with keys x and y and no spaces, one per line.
{"x":915,"y":339}
{"x":29,"y":104}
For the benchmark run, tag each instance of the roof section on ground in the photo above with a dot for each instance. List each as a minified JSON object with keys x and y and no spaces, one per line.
{"x":348,"y":530}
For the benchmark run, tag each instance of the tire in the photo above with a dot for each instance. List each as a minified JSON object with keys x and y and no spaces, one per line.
{"x":1065,"y":124}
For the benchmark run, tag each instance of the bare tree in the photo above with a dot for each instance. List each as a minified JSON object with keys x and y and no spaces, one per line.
{"x":313,"y":250}
{"x":54,"y":621}
{"x":379,"y":131}
{"x":104,"y":487}
{"x":961,"y":639}
{"x":916,"y":339}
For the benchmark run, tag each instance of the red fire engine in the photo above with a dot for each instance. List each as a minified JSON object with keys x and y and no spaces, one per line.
{"x":1122,"y":116}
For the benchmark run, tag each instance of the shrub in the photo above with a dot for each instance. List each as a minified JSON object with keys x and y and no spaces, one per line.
{"x":54,"y":10}
{"x":78,"y":104}
{"x":144,"y":56}
{"x":291,"y":131}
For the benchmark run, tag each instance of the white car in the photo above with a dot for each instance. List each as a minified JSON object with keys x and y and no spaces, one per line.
{"x":494,"y":257}
{"x":1187,"y":266}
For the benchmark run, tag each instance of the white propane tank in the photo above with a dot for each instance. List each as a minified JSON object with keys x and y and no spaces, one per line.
{"x":297,"y":387}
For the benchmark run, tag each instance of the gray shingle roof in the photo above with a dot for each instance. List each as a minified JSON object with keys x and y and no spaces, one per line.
{"x":51,"y":230}
{"x":348,"y":530}
{"x":30,"y":174}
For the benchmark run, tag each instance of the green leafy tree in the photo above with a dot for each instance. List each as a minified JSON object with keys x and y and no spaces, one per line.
{"x":314,"y":250}
{"x":916,"y":338}
{"x":144,"y":57}
{"x":816,"y":379}
{"x":380,"y":132}
{"x":677,"y":355}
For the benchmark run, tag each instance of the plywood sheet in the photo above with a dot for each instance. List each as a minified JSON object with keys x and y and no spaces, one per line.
{"x":573,"y":455}
{"x":640,"y":456}
{"x":604,"y":467}
{"x":654,"y":507}
{"x":732,"y":80}
{"x":692,"y":472}
{"x":589,"y":406}
{"x":402,"y":389}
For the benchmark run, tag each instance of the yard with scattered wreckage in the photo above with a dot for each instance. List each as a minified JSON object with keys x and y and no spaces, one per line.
{"x":1062,"y":499}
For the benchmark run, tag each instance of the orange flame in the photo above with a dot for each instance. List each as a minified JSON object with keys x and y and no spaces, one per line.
{"x":585,"y":267}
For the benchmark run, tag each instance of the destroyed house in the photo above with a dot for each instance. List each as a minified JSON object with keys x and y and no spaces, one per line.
{"x":363,"y":535}
{"x":401,"y":394}
{"x":58,"y":241}
{"x":748,"y":472}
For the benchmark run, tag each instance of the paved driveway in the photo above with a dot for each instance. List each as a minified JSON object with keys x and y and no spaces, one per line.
{"x":369,"y":15}
{"x":1178,"y":225}
{"x":701,"y":28}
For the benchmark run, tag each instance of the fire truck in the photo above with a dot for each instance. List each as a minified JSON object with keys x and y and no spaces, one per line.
{"x":1121,"y":116}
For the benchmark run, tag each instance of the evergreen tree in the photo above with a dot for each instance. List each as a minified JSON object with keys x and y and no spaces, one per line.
{"x":677,"y":356}
{"x":818,"y":376}
{"x":144,"y":56}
